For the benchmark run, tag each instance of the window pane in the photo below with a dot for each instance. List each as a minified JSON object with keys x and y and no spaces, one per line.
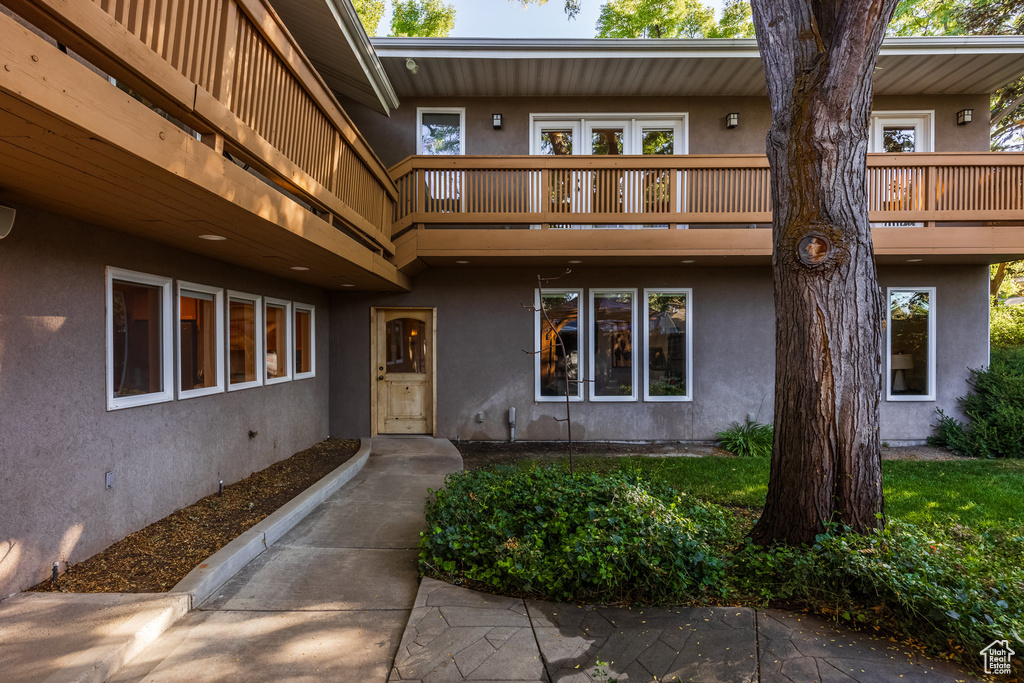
{"x":303,"y":341}
{"x":613,"y":344}
{"x":242,"y":359}
{"x":197,"y":353}
{"x":908,"y":329}
{"x":277,"y":341}
{"x":441,"y":133}
{"x":406,"y":345}
{"x":606,"y":141}
{"x":136,"y":339}
{"x":657,"y":141}
{"x":666,"y":344}
{"x":556,"y":142}
{"x":563,"y":309}
{"x":899,"y":138}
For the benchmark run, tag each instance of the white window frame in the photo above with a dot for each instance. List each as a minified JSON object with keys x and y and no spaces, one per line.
{"x":580,"y":345}
{"x":594,"y":293}
{"x":260,"y":332}
{"x":218,"y":305}
{"x":922,"y":119}
{"x":689,"y":344}
{"x":461,"y":111}
{"x":287,"y":360}
{"x":634,"y":121}
{"x":296,"y":307}
{"x":539,"y":125}
{"x":166,"y":344}
{"x":930,"y":396}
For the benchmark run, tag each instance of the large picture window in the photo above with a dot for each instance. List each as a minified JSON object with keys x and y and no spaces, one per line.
{"x":612,"y":343}
{"x":910,"y":361}
{"x":558,"y":365}
{"x":304,"y":341}
{"x":277,"y":317}
{"x":245,"y":341}
{"x":200,"y":340}
{"x":668,"y":352}
{"x":139,"y":360}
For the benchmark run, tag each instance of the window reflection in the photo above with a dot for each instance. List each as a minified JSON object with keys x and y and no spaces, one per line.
{"x":613,"y":344}
{"x":242,"y":354}
{"x":562,"y":309}
{"x":406,"y":345}
{"x":198,"y":340}
{"x":908,"y":343}
{"x":666,"y":344}
{"x":277,"y":341}
{"x":136,"y":339}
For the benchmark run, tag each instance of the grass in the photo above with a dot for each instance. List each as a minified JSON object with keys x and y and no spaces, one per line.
{"x":975,"y":493}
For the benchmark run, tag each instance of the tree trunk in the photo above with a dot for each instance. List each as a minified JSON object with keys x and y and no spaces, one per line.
{"x":997,"y":280}
{"x":819,"y":56}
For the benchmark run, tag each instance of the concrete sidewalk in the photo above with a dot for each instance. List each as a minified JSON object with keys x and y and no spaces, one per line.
{"x":455,"y":634}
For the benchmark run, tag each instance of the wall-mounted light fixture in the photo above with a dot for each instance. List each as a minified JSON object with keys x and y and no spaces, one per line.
{"x":496,"y":120}
{"x":964,"y":116}
{"x":6,"y":221}
{"x":732,"y":120}
{"x":411,"y":65}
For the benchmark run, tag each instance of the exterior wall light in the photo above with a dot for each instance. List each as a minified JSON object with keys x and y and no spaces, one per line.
{"x":496,"y":120}
{"x":732,"y":120}
{"x":964,"y":116}
{"x":6,"y":221}
{"x":411,"y":65}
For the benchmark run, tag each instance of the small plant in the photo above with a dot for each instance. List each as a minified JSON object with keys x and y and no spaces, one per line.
{"x":751,"y":439}
{"x":995,"y":409}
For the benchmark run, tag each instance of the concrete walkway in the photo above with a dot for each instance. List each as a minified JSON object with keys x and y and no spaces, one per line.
{"x":330,"y":599}
{"x":456,"y":634}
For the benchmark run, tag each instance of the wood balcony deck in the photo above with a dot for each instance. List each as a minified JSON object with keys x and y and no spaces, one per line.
{"x":231,"y":92}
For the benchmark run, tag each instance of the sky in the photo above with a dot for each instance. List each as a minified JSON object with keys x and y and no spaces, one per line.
{"x":509,"y":19}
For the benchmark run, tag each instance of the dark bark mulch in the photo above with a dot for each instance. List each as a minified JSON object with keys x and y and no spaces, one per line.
{"x":154,"y":559}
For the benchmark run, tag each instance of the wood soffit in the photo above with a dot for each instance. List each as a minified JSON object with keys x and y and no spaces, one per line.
{"x":487,"y":67}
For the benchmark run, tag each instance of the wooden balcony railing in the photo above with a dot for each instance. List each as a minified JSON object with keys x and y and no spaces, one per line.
{"x":662,"y":191}
{"x":230,"y":70}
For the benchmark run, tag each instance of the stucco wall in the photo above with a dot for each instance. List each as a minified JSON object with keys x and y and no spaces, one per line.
{"x":394,"y":138}
{"x":57,"y":439}
{"x":482,"y":330}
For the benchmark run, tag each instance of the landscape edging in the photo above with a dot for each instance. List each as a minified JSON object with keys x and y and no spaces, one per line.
{"x":216,"y":570}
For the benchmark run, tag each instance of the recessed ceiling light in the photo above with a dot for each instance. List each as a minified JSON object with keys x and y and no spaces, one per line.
{"x":914,"y":260}
{"x":347,"y":285}
{"x":299,"y":268}
{"x":213,"y":238}
{"x":462,"y":262}
{"x":576,"y":261}
{"x":689,"y":260}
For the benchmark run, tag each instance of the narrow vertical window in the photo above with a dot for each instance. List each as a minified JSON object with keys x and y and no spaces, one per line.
{"x":612,"y":367}
{"x":668,"y":353}
{"x":277,"y":317}
{"x":200,"y":340}
{"x":911,"y":344}
{"x":245,"y":341}
{"x":305,"y":338}
{"x":558,"y":364}
{"x":138,"y":339}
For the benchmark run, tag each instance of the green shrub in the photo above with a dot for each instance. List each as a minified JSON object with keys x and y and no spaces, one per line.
{"x":1006,"y":326}
{"x":995,"y":408}
{"x":603,"y":538}
{"x":749,"y":439}
{"x":959,"y":595}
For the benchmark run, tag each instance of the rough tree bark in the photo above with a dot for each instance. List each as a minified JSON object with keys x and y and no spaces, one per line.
{"x":819,"y":56}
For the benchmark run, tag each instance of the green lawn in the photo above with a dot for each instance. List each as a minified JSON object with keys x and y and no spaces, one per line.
{"x":975,"y":493}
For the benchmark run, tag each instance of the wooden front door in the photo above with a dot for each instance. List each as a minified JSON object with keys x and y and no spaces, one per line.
{"x":403,"y":370}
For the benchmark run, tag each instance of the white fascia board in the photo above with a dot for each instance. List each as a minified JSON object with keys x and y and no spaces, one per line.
{"x":352,"y":28}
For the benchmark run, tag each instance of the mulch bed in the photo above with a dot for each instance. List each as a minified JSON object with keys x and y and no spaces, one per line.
{"x":157,"y":557}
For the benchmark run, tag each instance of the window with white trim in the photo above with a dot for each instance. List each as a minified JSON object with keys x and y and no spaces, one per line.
{"x":897,"y":132}
{"x":139,"y":346}
{"x":245,"y":341}
{"x":668,"y":351}
{"x":612,"y":345}
{"x":910,"y":344}
{"x":304,"y":341}
{"x":277,"y":317}
{"x":441,"y":130}
{"x":557,"y":365}
{"x":200,"y":340}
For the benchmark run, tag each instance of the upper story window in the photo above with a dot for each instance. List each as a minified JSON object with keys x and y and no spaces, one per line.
{"x":608,"y":134}
{"x":441,"y":130}
{"x":897,"y":132}
{"x":139,"y":360}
